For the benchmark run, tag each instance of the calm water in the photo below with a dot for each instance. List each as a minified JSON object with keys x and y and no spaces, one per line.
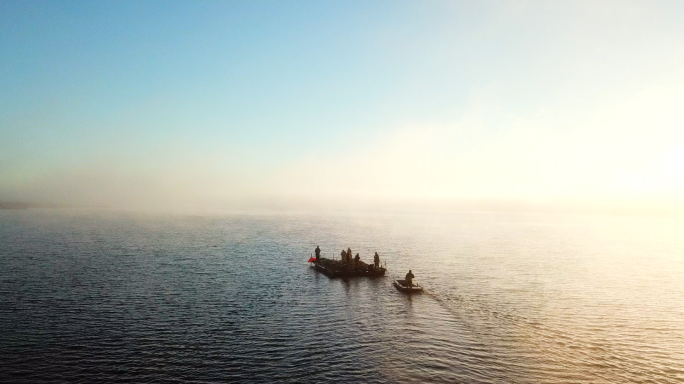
{"x":115,"y":297}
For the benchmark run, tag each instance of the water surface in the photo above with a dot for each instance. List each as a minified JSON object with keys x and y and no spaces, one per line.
{"x":119,"y":297}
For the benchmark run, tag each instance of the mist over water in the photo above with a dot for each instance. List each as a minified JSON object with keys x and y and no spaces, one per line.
{"x":251,"y":132}
{"x":110,"y":296}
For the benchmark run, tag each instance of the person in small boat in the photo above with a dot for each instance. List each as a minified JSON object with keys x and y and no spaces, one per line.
{"x":357,"y":258}
{"x":343,"y":256}
{"x":349,"y":256}
{"x":376,"y":260}
{"x":318,"y":254}
{"x":409,"y":279}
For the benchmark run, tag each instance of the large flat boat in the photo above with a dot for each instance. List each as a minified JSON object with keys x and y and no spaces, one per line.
{"x":336,"y":268}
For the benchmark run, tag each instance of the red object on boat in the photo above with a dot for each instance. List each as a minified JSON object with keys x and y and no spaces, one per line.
{"x":311,"y":260}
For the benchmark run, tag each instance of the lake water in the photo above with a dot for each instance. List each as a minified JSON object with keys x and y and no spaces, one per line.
{"x":101,"y":296}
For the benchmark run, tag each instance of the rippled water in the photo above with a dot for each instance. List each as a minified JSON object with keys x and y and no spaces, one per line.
{"x":105,"y":296}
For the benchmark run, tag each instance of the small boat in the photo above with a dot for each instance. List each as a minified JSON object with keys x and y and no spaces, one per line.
{"x":401,"y":285}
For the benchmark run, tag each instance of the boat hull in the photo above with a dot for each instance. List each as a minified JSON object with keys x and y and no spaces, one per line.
{"x":401,"y":286}
{"x":334,"y":269}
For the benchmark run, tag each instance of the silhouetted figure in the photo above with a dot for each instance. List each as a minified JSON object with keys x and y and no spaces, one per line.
{"x":409,"y":279}
{"x":343,"y":256}
{"x":376,"y":260}
{"x":357,"y":258}
{"x":318,"y":254}
{"x":349,"y":256}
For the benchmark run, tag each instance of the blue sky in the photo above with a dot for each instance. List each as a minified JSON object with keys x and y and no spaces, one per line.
{"x":209,"y":103}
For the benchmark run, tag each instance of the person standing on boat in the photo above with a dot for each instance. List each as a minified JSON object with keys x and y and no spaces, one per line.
{"x":376,"y":260}
{"x":356,"y":260}
{"x":349,"y":256}
{"x":318,"y":254}
{"x":409,"y":279}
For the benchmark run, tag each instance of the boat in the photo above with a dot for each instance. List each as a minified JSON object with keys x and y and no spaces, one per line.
{"x":401,"y":285}
{"x":335,"y":268}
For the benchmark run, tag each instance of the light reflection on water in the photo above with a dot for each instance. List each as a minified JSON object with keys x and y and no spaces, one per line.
{"x":511,"y":298}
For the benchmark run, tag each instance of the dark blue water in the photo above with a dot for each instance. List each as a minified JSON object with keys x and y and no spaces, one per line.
{"x":91,"y":296}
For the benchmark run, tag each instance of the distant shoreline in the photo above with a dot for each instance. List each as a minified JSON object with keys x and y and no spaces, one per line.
{"x":17,"y":205}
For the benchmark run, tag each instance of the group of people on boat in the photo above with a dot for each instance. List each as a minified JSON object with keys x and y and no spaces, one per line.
{"x":353,"y":262}
{"x":346,"y":258}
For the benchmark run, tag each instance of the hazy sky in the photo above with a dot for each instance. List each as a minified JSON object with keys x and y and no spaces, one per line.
{"x":202,"y":103}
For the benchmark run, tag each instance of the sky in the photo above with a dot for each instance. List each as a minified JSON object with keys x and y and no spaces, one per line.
{"x":438,"y":104}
